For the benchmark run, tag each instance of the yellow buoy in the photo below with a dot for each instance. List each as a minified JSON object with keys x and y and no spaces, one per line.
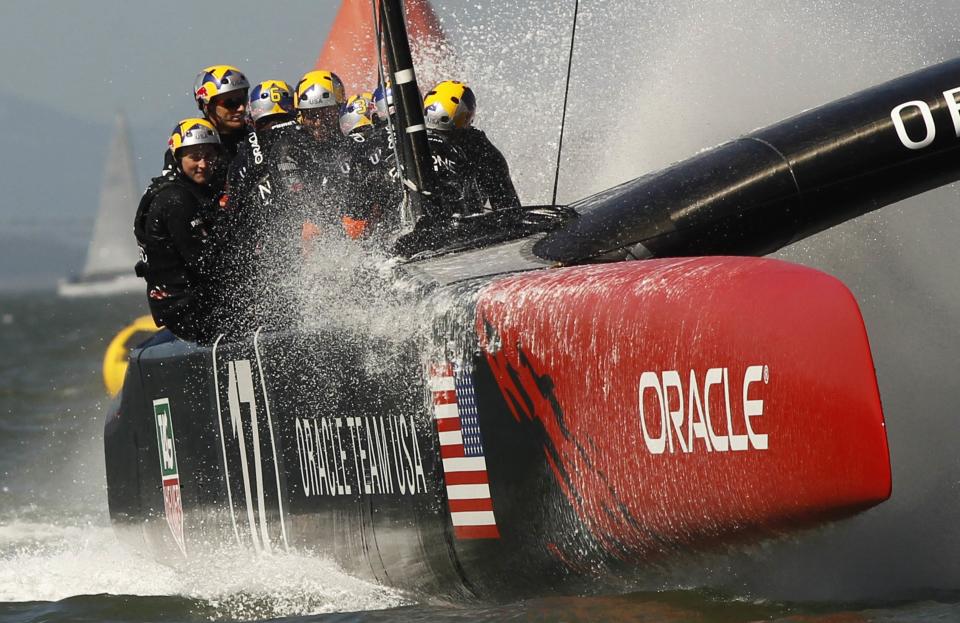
{"x":116,"y":358}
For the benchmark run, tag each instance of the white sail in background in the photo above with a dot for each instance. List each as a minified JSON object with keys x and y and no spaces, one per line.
{"x":113,"y":250}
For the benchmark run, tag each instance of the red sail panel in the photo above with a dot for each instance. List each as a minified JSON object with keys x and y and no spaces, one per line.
{"x":350,"y":48}
{"x":687,"y":400}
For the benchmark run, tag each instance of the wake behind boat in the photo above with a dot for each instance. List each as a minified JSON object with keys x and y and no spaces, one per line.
{"x":112,"y":252}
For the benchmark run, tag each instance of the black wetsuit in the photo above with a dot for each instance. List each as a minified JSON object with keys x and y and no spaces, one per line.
{"x":378,"y":181}
{"x":333,"y":167}
{"x":171,"y":227}
{"x":375,"y":181}
{"x":491,"y":170}
{"x":457,"y":191}
{"x":270,"y":191}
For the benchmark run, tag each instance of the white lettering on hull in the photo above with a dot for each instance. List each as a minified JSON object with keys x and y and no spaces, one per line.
{"x":383,"y":451}
{"x":689,"y":426}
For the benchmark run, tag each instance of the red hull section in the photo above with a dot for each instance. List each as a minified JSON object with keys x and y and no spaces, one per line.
{"x":350,"y":49}
{"x":685,"y":400}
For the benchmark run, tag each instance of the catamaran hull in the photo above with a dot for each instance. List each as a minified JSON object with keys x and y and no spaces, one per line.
{"x":559,"y":426}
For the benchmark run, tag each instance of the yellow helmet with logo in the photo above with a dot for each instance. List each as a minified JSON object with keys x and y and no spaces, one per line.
{"x":271,"y":97}
{"x":357,"y":113}
{"x":192,"y":131}
{"x":319,"y":89}
{"x":449,"y":105}
{"x":217,"y":80}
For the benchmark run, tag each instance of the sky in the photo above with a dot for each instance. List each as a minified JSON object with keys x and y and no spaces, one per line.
{"x":88,"y":59}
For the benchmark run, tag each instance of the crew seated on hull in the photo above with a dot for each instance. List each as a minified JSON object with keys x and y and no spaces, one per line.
{"x":381,"y":207}
{"x":171,"y":226}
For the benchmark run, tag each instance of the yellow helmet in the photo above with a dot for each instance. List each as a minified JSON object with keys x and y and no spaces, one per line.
{"x":192,"y":131}
{"x":217,"y":80}
{"x":449,"y":105}
{"x":357,"y":112}
{"x":319,"y":89}
{"x":271,"y":97}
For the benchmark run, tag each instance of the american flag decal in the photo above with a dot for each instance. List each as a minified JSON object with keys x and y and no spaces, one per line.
{"x":461,"y":449}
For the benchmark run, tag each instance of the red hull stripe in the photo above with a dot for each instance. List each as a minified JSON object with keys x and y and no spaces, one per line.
{"x":466,"y":478}
{"x":461,"y":506}
{"x":451,"y":452}
{"x":444,"y":398}
{"x":476,"y":532}
{"x":447,"y":425}
{"x":441,"y":370}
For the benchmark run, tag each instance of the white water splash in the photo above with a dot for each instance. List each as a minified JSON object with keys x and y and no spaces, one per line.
{"x":50,"y":562}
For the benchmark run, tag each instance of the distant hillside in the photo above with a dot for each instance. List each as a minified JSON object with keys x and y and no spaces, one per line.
{"x":50,"y":170}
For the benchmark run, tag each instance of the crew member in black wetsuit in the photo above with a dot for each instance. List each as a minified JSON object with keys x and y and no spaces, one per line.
{"x":448,"y":109}
{"x":268,"y":189}
{"x":376,"y":207}
{"x":319,"y":96}
{"x":221,"y":95}
{"x":456,"y":192}
{"x":171,"y":231}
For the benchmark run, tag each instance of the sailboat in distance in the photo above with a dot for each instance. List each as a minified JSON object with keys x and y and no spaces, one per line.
{"x":112,"y":253}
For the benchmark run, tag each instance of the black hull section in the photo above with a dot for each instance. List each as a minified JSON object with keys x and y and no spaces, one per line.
{"x":341,"y":460}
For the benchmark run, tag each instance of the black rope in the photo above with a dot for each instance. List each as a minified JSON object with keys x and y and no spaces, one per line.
{"x":566,"y":92}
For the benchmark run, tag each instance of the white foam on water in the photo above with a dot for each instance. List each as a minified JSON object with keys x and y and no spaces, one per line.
{"x":49,"y":562}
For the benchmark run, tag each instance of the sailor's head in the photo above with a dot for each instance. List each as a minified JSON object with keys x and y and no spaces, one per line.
{"x":271,"y":102}
{"x":195,"y":145}
{"x":383,"y":102}
{"x":319,"y":96}
{"x":357,"y":114}
{"x":449,"y":106}
{"x":221,"y":95}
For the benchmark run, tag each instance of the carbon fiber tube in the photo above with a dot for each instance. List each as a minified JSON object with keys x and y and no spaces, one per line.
{"x":763,"y":191}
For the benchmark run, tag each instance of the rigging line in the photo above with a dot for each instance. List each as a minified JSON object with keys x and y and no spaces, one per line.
{"x":566,"y":92}
{"x":377,"y":41}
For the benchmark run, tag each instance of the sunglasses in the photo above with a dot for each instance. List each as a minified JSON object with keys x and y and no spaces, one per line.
{"x":231,"y":104}
{"x":209,"y":157}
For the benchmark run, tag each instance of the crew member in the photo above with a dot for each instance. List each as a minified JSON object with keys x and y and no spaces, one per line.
{"x":375,"y":208}
{"x":319,"y":96}
{"x":171,"y":230}
{"x":266,"y":198}
{"x":448,"y":109}
{"x":221,"y":95}
{"x":383,"y":104}
{"x":455,"y":194}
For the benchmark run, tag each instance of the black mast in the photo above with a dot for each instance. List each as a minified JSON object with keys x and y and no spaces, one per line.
{"x":417,"y":169}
